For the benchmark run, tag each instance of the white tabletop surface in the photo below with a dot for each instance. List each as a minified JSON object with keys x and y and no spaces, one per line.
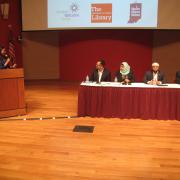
{"x":139,"y":85}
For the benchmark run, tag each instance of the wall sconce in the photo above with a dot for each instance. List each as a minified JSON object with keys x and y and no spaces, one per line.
{"x":4,"y":10}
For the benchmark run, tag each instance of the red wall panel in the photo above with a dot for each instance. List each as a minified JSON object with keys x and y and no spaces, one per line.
{"x":80,"y":49}
{"x":14,"y":20}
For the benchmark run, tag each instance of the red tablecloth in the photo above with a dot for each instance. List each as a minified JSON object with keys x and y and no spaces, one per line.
{"x":128,"y":102}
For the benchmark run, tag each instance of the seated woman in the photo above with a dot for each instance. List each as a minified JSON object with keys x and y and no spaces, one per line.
{"x":125,"y":75}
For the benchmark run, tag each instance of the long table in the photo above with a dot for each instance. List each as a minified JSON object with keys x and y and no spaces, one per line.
{"x":138,"y":100}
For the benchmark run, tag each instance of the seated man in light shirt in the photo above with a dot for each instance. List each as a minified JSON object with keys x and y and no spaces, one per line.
{"x":154,"y":76}
{"x":100,"y":73}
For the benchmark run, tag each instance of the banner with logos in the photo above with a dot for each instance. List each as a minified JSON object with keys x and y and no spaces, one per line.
{"x":102,"y":13}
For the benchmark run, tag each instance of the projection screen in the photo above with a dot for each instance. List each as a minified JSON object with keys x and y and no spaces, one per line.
{"x":82,"y":14}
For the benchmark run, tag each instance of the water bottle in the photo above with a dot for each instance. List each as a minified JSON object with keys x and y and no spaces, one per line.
{"x":115,"y":79}
{"x":87,"y":78}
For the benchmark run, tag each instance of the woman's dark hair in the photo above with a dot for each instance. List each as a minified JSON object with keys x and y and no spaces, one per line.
{"x":1,"y":48}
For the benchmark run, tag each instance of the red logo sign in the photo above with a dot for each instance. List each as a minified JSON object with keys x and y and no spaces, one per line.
{"x":101,"y":13}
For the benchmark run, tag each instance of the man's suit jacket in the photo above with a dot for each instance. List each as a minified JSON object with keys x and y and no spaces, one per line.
{"x":149,"y":76}
{"x":178,"y":77}
{"x":130,"y":76}
{"x":106,"y":76}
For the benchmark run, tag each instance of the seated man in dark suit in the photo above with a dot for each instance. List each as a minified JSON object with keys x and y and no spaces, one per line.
{"x":178,"y":77}
{"x":125,"y":74}
{"x":155,"y":76}
{"x":100,"y":73}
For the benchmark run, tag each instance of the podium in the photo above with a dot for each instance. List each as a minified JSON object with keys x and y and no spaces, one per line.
{"x":12,"y":101}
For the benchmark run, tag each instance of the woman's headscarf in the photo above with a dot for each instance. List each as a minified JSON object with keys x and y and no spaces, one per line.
{"x":126,"y":69}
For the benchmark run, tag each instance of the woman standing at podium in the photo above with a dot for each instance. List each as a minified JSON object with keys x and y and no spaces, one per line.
{"x":125,"y":74}
{"x":5,"y":60}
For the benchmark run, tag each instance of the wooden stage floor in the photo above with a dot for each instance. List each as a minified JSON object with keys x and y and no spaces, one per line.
{"x":118,"y":149}
{"x":51,"y":98}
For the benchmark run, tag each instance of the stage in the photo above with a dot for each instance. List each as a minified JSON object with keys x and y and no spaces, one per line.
{"x":50,"y":98}
{"x":118,"y":149}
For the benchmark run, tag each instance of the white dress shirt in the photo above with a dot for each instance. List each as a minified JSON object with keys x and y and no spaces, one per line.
{"x":155,"y":76}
